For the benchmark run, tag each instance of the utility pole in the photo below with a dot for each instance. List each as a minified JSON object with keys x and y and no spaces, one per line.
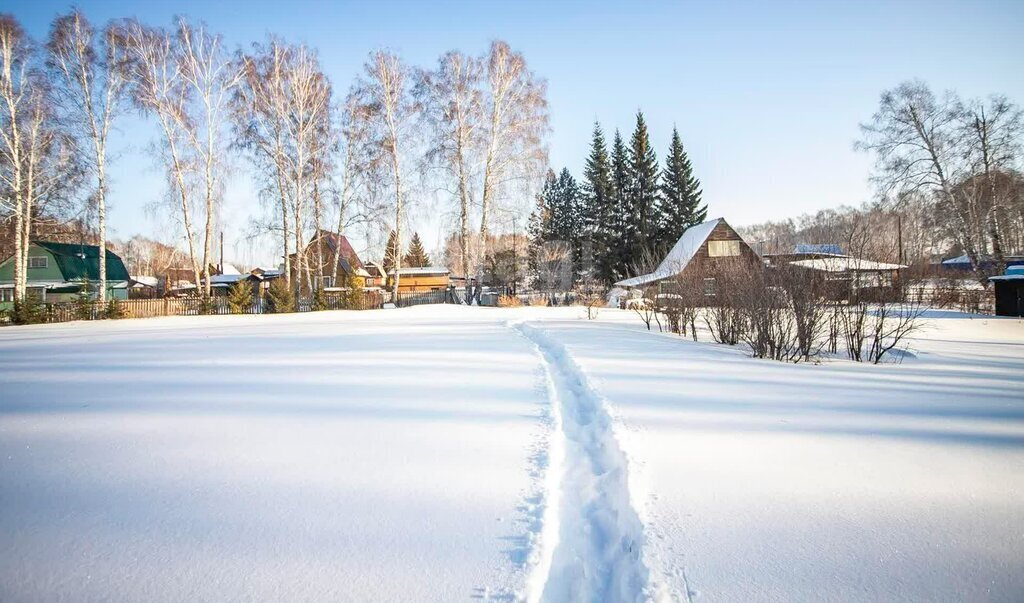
{"x":222,"y":252}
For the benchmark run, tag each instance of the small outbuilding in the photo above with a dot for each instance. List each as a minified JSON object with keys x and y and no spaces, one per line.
{"x":1009,"y":291}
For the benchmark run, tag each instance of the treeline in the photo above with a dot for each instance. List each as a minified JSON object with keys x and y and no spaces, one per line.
{"x":627,"y":210}
{"x":473,"y":125}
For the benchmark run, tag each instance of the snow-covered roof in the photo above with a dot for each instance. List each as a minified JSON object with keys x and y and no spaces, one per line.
{"x":227,"y":279}
{"x":823,"y":248}
{"x":422,"y":270}
{"x":148,"y":281}
{"x":228,"y":269}
{"x":1013,"y":273}
{"x":678,"y":257}
{"x":845,"y":264}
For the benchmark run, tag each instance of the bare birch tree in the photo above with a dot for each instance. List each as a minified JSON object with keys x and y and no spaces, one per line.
{"x":992,"y":134}
{"x":16,"y":83}
{"x":913,"y":137}
{"x":261,"y":121}
{"x":385,"y":93}
{"x":453,"y":103}
{"x":37,"y":159}
{"x":91,"y":71}
{"x":207,"y":69}
{"x":158,"y":88}
{"x":516,"y":123}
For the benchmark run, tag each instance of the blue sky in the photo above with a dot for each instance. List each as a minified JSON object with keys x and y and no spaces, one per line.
{"x":767,"y":96}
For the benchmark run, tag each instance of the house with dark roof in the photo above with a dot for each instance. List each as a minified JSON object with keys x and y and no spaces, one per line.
{"x":329,"y":245}
{"x":59,"y":272}
{"x":704,"y":250}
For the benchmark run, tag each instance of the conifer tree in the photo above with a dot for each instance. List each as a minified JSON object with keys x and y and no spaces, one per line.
{"x":599,"y":206}
{"x":239,"y":296}
{"x":679,"y":206}
{"x":417,"y":257}
{"x":643,"y":190}
{"x":538,"y":227}
{"x":624,"y":229}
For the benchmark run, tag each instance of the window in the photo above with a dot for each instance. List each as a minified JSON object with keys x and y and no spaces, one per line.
{"x":38,"y":261}
{"x":718,"y":249}
{"x":709,"y":287}
{"x":6,"y":295}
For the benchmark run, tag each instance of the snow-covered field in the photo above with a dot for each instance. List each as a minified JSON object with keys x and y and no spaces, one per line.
{"x":447,"y":453}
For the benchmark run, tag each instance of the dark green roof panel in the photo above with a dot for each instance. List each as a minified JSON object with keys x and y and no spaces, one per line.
{"x":79,"y":262}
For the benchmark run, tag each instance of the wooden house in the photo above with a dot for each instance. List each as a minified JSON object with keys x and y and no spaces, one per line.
{"x":427,"y":278}
{"x":330,"y":245}
{"x":60,"y":272}
{"x":705,"y":252}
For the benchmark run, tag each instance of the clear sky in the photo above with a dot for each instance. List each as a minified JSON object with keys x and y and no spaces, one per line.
{"x":767,"y":96}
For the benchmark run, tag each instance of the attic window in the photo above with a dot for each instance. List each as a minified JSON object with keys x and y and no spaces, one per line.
{"x":718,"y":249}
{"x":38,"y":262}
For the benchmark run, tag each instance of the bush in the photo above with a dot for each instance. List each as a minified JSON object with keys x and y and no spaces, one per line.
{"x":239,"y":297}
{"x":114,"y":310}
{"x":83,"y":305}
{"x":509,"y":301}
{"x":280,"y":299}
{"x":28,"y":311}
{"x":354,"y":298}
{"x":318,"y":302}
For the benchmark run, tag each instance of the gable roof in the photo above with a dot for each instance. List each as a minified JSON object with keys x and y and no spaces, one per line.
{"x":678,"y":258}
{"x":82,"y":262}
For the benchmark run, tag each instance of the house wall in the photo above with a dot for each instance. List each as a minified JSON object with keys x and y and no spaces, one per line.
{"x":703,"y":265}
{"x":422,"y":283}
{"x":49,"y":274}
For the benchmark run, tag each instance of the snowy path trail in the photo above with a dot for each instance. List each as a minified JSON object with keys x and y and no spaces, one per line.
{"x":593,"y":551}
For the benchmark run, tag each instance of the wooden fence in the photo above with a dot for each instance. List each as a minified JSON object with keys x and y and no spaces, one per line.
{"x":192,"y":306}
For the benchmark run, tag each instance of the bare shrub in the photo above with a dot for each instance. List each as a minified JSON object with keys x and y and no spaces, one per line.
{"x":509,"y":301}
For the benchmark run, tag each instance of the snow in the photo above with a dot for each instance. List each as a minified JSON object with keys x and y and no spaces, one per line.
{"x":446,"y":452}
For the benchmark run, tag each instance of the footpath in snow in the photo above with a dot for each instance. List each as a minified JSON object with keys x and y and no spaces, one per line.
{"x":595,"y":537}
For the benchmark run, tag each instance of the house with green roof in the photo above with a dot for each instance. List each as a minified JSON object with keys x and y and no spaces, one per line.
{"x":58,"y":272}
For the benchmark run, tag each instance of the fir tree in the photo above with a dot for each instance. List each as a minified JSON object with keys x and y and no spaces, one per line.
{"x":566,"y":222}
{"x":680,"y":206}
{"x":417,"y":257}
{"x":599,"y":207}
{"x":623,"y":228}
{"x":280,"y":299}
{"x":239,"y":296}
{"x":538,"y":227}
{"x":643,"y":190}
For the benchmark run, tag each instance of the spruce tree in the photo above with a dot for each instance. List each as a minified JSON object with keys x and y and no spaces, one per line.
{"x":538,"y":227}
{"x":622,"y":227}
{"x":598,"y":208}
{"x":643,"y":190}
{"x":680,"y":206}
{"x":417,"y":257}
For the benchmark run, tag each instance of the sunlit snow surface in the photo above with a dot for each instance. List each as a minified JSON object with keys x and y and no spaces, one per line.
{"x":447,"y":453}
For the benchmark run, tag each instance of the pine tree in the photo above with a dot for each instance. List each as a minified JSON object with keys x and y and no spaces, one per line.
{"x":280,"y":299}
{"x":566,"y":223}
{"x":599,"y":208}
{"x":623,"y":228}
{"x":643,"y":190}
{"x":390,"y":251}
{"x":417,"y":257}
{"x":679,"y":206}
{"x":239,"y":296}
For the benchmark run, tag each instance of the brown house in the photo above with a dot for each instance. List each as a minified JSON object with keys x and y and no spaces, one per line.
{"x":328,"y":245}
{"x":706,"y":251}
